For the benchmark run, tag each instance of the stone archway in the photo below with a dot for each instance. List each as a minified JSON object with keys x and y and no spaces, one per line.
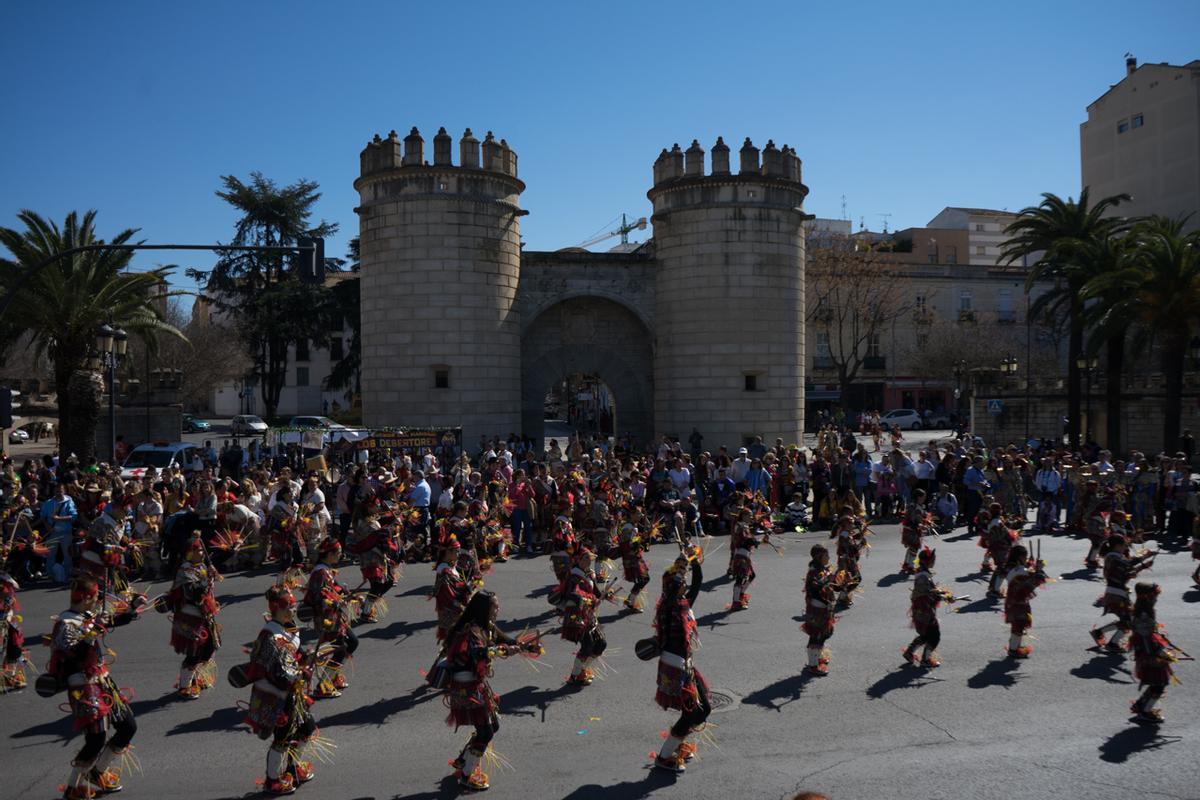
{"x":592,"y":336}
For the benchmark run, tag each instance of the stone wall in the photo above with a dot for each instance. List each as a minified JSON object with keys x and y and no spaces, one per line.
{"x":139,"y":425}
{"x":1141,"y":414}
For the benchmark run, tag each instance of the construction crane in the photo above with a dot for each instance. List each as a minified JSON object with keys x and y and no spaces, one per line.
{"x":623,"y":231}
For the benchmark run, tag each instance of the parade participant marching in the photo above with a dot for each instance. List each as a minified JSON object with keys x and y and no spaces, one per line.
{"x":681,"y":687}
{"x":462,"y":529}
{"x":851,"y":541}
{"x":925,"y":599}
{"x":12,"y":650}
{"x":741,"y":567}
{"x":195,"y":633}
{"x":1000,"y":540}
{"x":1119,"y":570}
{"x":279,"y":701}
{"x":562,"y":547}
{"x":820,"y":595}
{"x":1096,"y":506}
{"x":632,"y":547}
{"x":378,"y":555}
{"x":914,"y":526}
{"x":1196,"y":553}
{"x":102,"y":555}
{"x":451,"y":589}
{"x":333,"y":610}
{"x":581,"y":593}
{"x":1022,"y":587}
{"x":78,"y":664}
{"x":472,"y":643}
{"x":283,"y":528}
{"x":1152,"y":654}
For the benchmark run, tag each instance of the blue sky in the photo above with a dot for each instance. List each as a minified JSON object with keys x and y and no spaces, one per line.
{"x":137,"y":108}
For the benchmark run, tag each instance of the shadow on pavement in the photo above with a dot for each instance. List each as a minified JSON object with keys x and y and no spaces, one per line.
{"x":541,"y":591}
{"x":233,"y":599}
{"x":223,"y":719}
{"x":713,"y":617}
{"x":378,"y":712}
{"x":142,"y":707}
{"x":399,"y":630}
{"x":59,"y":728}
{"x":892,"y":580}
{"x":982,"y":604}
{"x":417,"y":591}
{"x":974,"y":577}
{"x":907,"y":677}
{"x":528,"y":700}
{"x":713,"y":583}
{"x":1001,"y":672}
{"x":515,"y":626}
{"x":1135,"y":739}
{"x":1103,"y":667}
{"x":788,"y":689}
{"x":1191,"y":596}
{"x":627,"y":790}
{"x":1081,"y":574}
{"x":446,"y":789}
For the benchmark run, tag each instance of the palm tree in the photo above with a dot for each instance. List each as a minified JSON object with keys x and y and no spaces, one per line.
{"x":1057,"y":232}
{"x":1159,"y":290}
{"x":1102,"y":257}
{"x":63,"y":305}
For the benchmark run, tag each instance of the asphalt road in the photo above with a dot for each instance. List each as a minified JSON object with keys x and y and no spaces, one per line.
{"x":980,"y":726}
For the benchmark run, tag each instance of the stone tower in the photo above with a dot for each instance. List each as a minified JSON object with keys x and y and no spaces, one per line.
{"x":729,"y":296}
{"x":441,"y":257}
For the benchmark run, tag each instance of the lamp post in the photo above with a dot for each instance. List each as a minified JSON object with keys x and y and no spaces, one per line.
{"x":1087,"y":366}
{"x":111,"y":344}
{"x":960,"y":369}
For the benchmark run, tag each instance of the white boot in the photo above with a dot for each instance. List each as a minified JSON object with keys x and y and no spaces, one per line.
{"x":668,"y":756}
{"x":472,"y":776}
{"x":275,"y":763}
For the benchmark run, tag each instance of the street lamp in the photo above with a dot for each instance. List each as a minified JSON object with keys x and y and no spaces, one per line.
{"x":111,"y":344}
{"x":1008,"y":365}
{"x":1087,"y":366}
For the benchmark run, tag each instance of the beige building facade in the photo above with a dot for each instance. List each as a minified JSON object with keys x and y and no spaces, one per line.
{"x":1142,"y":137}
{"x":700,"y":328}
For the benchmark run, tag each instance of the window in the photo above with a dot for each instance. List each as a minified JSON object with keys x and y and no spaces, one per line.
{"x":1122,"y":126}
{"x":922,"y":340}
{"x":335,"y":348}
{"x":951,"y":254}
{"x":302,"y":376}
{"x":964,"y":300}
{"x":1137,"y":121}
{"x":933,"y":253}
{"x":979,"y":226}
{"x":751,"y":382}
{"x":873,"y":346}
{"x":919,"y":302}
{"x":302,"y":350}
{"x":823,"y":350}
{"x":980,"y":250}
{"x":441,"y":378}
{"x":1004,"y":305}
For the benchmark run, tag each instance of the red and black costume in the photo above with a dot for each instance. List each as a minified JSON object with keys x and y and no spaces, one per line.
{"x":378,"y":557}
{"x":332,"y":606}
{"x":98,"y":707}
{"x":1018,"y":608}
{"x":102,"y":555}
{"x":562,"y":546}
{"x":926,"y":597}
{"x":851,"y":541}
{"x":740,"y":566}
{"x":279,"y":701}
{"x":450,"y":589}
{"x":1152,"y":655}
{"x":820,"y":595}
{"x":912,"y":528}
{"x":12,"y":640}
{"x":632,"y":547}
{"x":195,"y":632}
{"x":681,"y":687}
{"x":1119,"y":570}
{"x":1000,"y":541}
{"x":581,"y":594}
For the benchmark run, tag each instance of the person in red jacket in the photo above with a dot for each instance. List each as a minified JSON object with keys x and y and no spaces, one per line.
{"x":520,"y":494}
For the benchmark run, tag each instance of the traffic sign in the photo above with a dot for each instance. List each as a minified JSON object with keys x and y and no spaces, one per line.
{"x":995,"y":406}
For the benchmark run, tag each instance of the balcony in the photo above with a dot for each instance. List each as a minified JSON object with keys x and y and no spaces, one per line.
{"x":875,"y":362}
{"x":822,"y":362}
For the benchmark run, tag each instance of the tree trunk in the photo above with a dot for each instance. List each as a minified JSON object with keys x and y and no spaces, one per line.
{"x":1174,"y":355}
{"x":82,"y":400}
{"x":1114,"y":379}
{"x":1074,"y":348}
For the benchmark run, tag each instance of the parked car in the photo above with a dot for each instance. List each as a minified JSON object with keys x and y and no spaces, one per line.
{"x":159,"y":455}
{"x":939,"y":420}
{"x":907,"y":418}
{"x":315,"y":422}
{"x":195,"y":424}
{"x":247,"y":425}
{"x":18,"y":436}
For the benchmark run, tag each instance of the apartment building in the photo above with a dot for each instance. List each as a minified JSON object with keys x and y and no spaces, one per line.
{"x":1142,"y":137}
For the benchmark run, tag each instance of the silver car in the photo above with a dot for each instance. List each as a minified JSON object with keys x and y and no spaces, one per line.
{"x":247,"y":425}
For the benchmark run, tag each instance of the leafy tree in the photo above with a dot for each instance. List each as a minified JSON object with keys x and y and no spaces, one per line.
{"x":1059,"y":232}
{"x":1158,"y":290}
{"x":64,"y":304}
{"x":260,"y":293}
{"x":1101,"y":257}
{"x":345,"y":373}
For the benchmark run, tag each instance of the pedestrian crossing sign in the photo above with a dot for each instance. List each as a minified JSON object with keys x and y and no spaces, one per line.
{"x":995,"y":406}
